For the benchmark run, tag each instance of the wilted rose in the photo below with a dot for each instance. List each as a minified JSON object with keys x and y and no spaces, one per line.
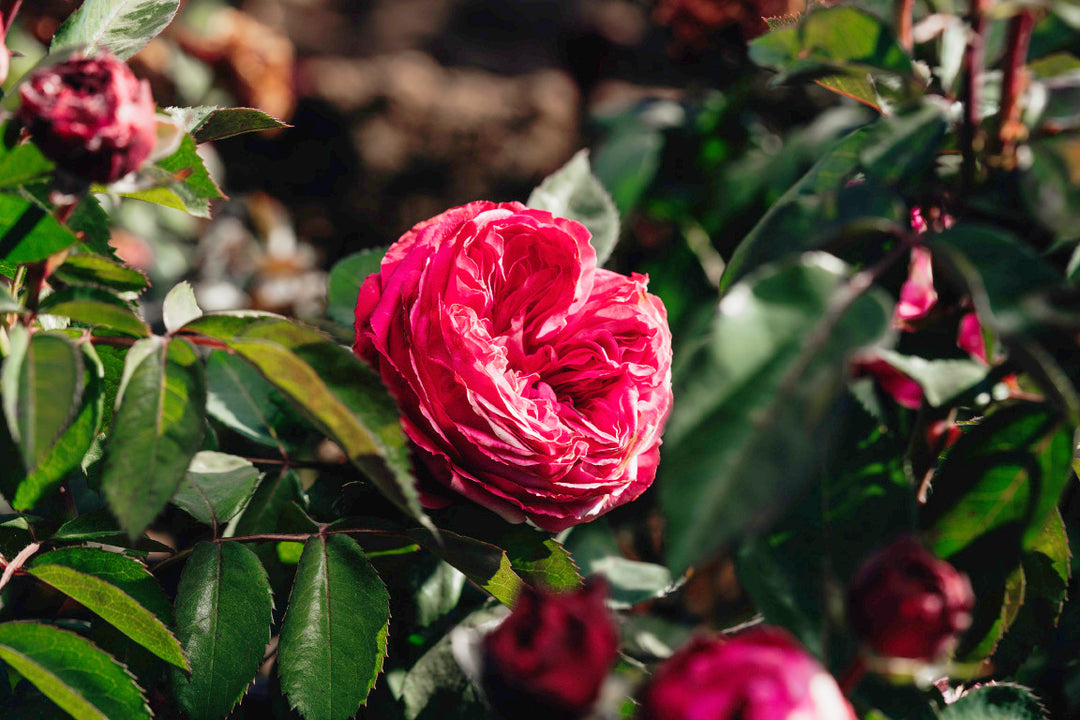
{"x":549,"y":658}
{"x":760,"y":674}
{"x":530,"y":381}
{"x":904,"y":602}
{"x":91,"y":116}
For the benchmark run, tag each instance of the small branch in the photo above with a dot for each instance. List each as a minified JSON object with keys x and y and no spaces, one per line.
{"x":1014,"y":82}
{"x":35,"y":283}
{"x":15,"y":566}
{"x":971,"y":91}
{"x":287,"y":463}
{"x":904,"y":11}
{"x":108,"y":340}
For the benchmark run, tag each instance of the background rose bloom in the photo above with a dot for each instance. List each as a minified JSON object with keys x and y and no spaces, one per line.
{"x":761,"y":674}
{"x":529,"y":380}
{"x":549,"y":658}
{"x":91,"y":116}
{"x":904,"y":602}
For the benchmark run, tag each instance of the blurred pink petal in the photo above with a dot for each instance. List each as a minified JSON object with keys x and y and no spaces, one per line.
{"x":917,"y":294}
{"x":900,"y":387}
{"x":970,"y":337}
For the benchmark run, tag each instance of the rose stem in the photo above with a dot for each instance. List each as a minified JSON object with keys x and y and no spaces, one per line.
{"x":904,"y":10}
{"x":1013,"y":84}
{"x":971,"y":90}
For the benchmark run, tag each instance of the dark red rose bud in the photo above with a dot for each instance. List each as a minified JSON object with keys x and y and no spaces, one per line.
{"x":91,"y":116}
{"x":760,"y":674}
{"x":549,"y":658}
{"x":906,"y":603}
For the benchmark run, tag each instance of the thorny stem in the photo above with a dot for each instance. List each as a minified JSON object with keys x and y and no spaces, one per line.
{"x":971,"y":94}
{"x":15,"y":566}
{"x":1010,"y":129}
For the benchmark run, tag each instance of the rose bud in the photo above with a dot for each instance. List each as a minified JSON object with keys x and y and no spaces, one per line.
{"x":91,"y":116}
{"x":760,"y":674}
{"x":904,"y":602}
{"x":549,"y":658}
{"x":529,"y":380}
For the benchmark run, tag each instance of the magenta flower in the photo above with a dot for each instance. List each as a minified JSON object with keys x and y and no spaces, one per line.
{"x":761,"y":674}
{"x":917,"y":294}
{"x":896,"y":384}
{"x":530,"y":381}
{"x":904,"y":602}
{"x":91,"y":116}
{"x":970,"y":337}
{"x":549,"y":658}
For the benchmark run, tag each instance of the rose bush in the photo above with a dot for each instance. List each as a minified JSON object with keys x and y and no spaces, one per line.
{"x":530,"y":381}
{"x":761,"y":674}
{"x":904,"y":602}
{"x":549,"y":658}
{"x":91,"y":116}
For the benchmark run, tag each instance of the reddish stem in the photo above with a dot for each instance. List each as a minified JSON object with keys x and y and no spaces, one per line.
{"x":904,"y":11}
{"x":8,"y":10}
{"x":971,"y":91}
{"x":1014,"y":82}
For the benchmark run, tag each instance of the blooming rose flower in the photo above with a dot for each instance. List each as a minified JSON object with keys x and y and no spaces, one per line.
{"x":760,"y":674}
{"x":91,"y":116}
{"x":529,"y":381}
{"x":904,"y":602}
{"x":549,"y":658}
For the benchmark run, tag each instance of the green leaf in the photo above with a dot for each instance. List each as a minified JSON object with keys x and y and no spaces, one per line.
{"x":208,"y":123}
{"x":262,"y":512}
{"x":91,"y":223}
{"x":437,"y":687}
{"x":595,"y":548}
{"x":837,"y":37}
{"x":22,"y":164}
{"x":181,"y":182}
{"x":97,"y":308}
{"x":121,"y":590}
{"x":1006,"y":277}
{"x":8,"y":304}
{"x":1001,"y":701}
{"x":180,"y":307}
{"x":573,"y":192}
{"x":333,"y":637}
{"x":439,"y":593}
{"x":28,"y":233}
{"x":755,"y":418}
{"x":1010,"y":468}
{"x":216,"y":487}
{"x":344,"y":282}
{"x":223,"y":615}
{"x":1049,"y":188}
{"x":123,"y":26}
{"x":941,"y":380}
{"x":241,"y":399}
{"x":627,"y":162}
{"x":70,"y":448}
{"x":340,"y":394}
{"x":72,"y":672}
{"x":810,"y":213}
{"x":42,"y":381}
{"x":158,"y":427}
{"x":95,"y":270}
{"x":485,"y":565}
{"x":539,"y":558}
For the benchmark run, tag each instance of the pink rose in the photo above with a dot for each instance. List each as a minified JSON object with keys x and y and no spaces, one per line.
{"x":91,"y":116}
{"x":760,"y":674}
{"x":549,"y":658}
{"x":904,"y":602}
{"x":530,"y":381}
